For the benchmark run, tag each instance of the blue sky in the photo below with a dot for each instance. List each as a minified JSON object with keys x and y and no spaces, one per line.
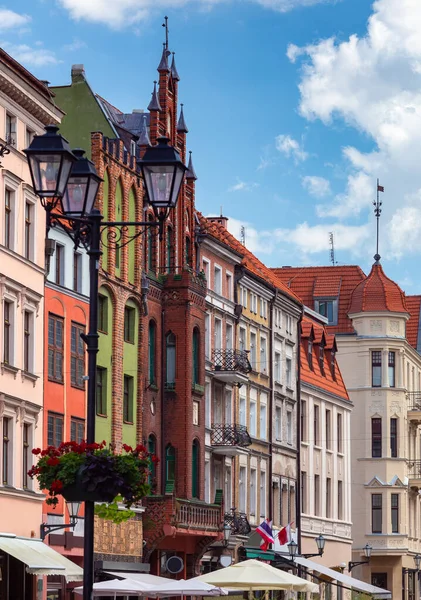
{"x":294,"y":108}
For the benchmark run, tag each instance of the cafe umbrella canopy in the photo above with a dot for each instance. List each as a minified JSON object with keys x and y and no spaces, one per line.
{"x":254,"y":575}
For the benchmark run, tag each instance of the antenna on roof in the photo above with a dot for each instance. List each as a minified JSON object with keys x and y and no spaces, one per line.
{"x":243,"y":235}
{"x":332,"y":249}
{"x":377,"y":212}
{"x":221,"y":213}
{"x":166,"y":32}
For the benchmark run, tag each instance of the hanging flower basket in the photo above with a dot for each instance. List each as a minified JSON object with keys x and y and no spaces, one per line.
{"x":94,"y":472}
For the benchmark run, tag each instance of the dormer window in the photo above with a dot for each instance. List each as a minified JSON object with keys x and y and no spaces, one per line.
{"x":310,"y":353}
{"x":327,"y":307}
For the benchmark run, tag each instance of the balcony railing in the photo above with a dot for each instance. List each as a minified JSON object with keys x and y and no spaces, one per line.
{"x":191,"y":513}
{"x":181,"y":513}
{"x":414,"y":401}
{"x":414,"y":469}
{"x":230,"y":435}
{"x":238,"y":523}
{"x":231,"y":360}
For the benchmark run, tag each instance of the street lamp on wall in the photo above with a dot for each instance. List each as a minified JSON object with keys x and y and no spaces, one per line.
{"x":227,"y":533}
{"x":293,"y":548}
{"x":417,"y":561}
{"x":73,"y":510}
{"x":367,"y":553}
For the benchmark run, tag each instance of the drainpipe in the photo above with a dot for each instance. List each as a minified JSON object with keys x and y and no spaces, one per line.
{"x":298,"y":436}
{"x":270,"y":411}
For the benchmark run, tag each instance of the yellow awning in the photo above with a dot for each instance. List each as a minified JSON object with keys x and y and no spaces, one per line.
{"x":39,"y":558}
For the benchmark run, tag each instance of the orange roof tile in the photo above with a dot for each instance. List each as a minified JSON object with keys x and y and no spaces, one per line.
{"x":377,"y":293}
{"x":334,"y":281}
{"x":413,"y":304}
{"x":250,"y":261}
{"x":314,"y":376}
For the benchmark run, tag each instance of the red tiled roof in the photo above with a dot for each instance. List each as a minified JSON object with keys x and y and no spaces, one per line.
{"x":338,"y":281}
{"x":413,"y":304}
{"x":315,"y":376}
{"x":250,"y":261}
{"x":377,"y":293}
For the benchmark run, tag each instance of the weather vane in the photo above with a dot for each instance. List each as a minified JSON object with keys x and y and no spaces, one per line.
{"x":377,"y":212}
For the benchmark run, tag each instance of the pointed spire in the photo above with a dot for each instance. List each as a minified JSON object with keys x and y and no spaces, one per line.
{"x":190,"y":173}
{"x":181,"y":125}
{"x":174,"y":72}
{"x":144,"y":134}
{"x":154,"y":103}
{"x":163,"y":65}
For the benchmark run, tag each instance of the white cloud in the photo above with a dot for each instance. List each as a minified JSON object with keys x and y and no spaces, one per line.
{"x":316,"y":186}
{"x":286,"y":145}
{"x":30,"y":57}
{"x":243,"y":186}
{"x":75,"y":45}
{"x":121,"y":13}
{"x":373,"y":84}
{"x":12,"y":20}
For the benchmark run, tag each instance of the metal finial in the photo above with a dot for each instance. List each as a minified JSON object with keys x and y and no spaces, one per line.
{"x":377,"y":212}
{"x":166,"y":32}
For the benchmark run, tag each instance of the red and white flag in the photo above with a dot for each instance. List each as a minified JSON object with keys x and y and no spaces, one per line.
{"x":380,"y":188}
{"x":284,"y":536}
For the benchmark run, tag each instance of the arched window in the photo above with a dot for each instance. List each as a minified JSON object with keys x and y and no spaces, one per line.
{"x":152,"y":352}
{"x":169,"y":247}
{"x":195,"y":469}
{"x":188,"y":250}
{"x":170,"y":341}
{"x":152,"y":450}
{"x":196,"y":355}
{"x":169,"y":463}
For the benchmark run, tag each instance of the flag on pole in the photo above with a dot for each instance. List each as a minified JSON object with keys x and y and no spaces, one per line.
{"x":380,"y":188}
{"x":266,"y":533}
{"x":284,"y":536}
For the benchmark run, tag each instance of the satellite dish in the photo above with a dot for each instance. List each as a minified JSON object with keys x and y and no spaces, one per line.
{"x":174,"y":564}
{"x":225,"y":560}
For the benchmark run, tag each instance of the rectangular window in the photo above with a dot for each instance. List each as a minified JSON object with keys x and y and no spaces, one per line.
{"x":339,"y":432}
{"x":128,"y":399}
{"x":289,"y":427}
{"x":29,"y":136}
{"x":59,"y":273}
{"x":26,"y":454}
{"x":217,"y":280}
{"x":207,"y":404}
{"x":340,"y":501}
{"x":328,"y":430}
{"x":252,"y":419}
{"x":242,"y":337}
{"x":129,"y":324}
{"x":253,"y":491}
{"x":55,"y":348}
{"x":242,"y":490}
{"x":218,"y":333}
{"x":28,"y":346}
{"x":263,"y":420}
{"x":253,"y":350}
{"x":303,"y":492}
{"x":278,"y":367}
{"x":262,"y":493}
{"x":391,"y":369}
{"x":328,"y":498}
{"x":303,"y":421}
{"x":317,"y":495}
{"x":376,"y":438}
{"x":263,"y":356}
{"x":316,"y":423}
{"x":77,"y":430}
{"x":207,"y":336}
{"x":10,"y":129}
{"x":376,"y":513}
{"x":7,"y":332}
{"x":102,"y":313}
{"x":77,"y":272}
{"x":205,"y":268}
{"x":394,"y":438}
{"x":243,"y":414}
{"x":229,"y":336}
{"x":8,"y":218}
{"x":228,"y":282}
{"x":278,"y":423}
{"x":101,"y":391}
{"x":77,"y":356}
{"x":395,"y":512}
{"x":326,"y":309}
{"x":376,"y":368}
{"x":288,"y":372}
{"x":7,"y":449}
{"x":28,"y":230}
{"x":54,"y":429}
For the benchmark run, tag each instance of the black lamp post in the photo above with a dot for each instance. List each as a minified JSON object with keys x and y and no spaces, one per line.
{"x":227,"y":532}
{"x":293,"y":548}
{"x":73,"y":510}
{"x":62,"y":176}
{"x":417,"y":561}
{"x":367,"y":553}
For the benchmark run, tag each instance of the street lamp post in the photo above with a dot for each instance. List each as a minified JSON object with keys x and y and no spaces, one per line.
{"x":367,"y":553}
{"x":293,"y":548}
{"x":60,"y":176}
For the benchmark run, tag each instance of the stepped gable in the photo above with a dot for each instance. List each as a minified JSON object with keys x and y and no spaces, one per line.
{"x":311,"y":283}
{"x":250,"y":261}
{"x":377,"y":293}
{"x":413,"y":304}
{"x":315,"y":377}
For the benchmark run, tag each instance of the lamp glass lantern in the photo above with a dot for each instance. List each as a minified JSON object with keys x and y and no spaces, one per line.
{"x":163,"y":172}
{"x":320,"y":541}
{"x":50,"y":161}
{"x":417,"y":561}
{"x":82,"y":187}
{"x":367,"y":551}
{"x":227,"y":532}
{"x":73,"y":510}
{"x":292,"y":548}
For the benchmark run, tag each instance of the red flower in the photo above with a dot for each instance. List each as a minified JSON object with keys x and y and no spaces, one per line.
{"x":53,"y":461}
{"x":139,"y":448}
{"x":36,"y":451}
{"x":56,"y":486}
{"x":127,"y":448}
{"x":155,"y":459}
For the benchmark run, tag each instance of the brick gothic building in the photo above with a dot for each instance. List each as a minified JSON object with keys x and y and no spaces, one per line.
{"x":150,"y":363}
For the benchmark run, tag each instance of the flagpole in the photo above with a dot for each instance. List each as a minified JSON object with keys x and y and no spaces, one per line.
{"x":377,"y":215}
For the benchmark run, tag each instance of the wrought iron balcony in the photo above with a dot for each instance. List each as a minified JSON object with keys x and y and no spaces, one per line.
{"x":229,"y":439}
{"x":238,"y":523}
{"x":414,"y":406}
{"x":414,"y":473}
{"x":232,"y":366}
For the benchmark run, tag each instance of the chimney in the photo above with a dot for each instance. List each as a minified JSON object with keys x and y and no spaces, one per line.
{"x":78,"y":73}
{"x":138,"y":111}
{"x":221,"y":220}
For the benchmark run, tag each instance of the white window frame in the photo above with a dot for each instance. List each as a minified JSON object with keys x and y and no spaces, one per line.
{"x":229,"y":336}
{"x":31,"y":361}
{"x":253,"y":491}
{"x":253,"y":418}
{"x":243,"y":411}
{"x":12,"y":185}
{"x":243,"y":489}
{"x":278,"y":366}
{"x":13,"y":139}
{"x":229,"y":285}
{"x":31,"y":200}
{"x":290,"y":427}
{"x":207,"y":481}
{"x":263,"y":420}
{"x":206,"y":270}
{"x":217,"y":278}
{"x":217,"y":324}
{"x":12,"y":300}
{"x":208,"y":345}
{"x":9,"y":413}
{"x":263,"y":497}
{"x":264,"y":367}
{"x":288,"y":371}
{"x":253,"y":350}
{"x":208,"y":404}
{"x":278,"y":423}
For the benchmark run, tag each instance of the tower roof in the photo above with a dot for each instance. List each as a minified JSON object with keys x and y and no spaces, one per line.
{"x":191,"y":173}
{"x":154,"y":103}
{"x":377,"y":293}
{"x":163,"y":65}
{"x":181,"y":125}
{"x":174,"y":72}
{"x":144,"y":135}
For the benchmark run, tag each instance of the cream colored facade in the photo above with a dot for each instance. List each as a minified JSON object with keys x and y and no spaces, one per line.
{"x":385,"y":448}
{"x":25,"y":108}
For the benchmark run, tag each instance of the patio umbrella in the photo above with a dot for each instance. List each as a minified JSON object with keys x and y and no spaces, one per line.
{"x":117,"y":587}
{"x":190,"y":587}
{"x":252,"y":575}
